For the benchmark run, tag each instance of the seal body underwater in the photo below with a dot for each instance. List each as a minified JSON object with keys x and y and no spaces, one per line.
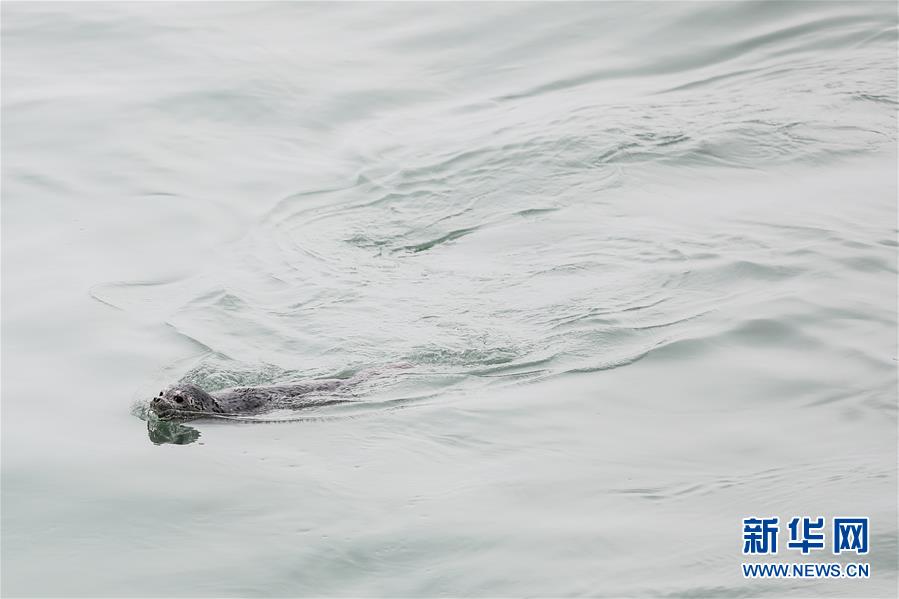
{"x":183,"y":401}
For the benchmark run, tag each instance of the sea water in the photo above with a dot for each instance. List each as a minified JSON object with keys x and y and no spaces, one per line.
{"x":639,"y":258}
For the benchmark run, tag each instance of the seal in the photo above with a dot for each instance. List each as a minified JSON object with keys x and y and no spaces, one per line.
{"x":184,"y":401}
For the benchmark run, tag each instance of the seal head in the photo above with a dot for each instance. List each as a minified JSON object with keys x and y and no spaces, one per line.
{"x":184,"y":401}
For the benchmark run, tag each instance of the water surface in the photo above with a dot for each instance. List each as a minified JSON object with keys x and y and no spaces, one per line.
{"x":641,"y":258}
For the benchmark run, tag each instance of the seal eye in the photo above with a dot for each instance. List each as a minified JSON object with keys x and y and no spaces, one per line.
{"x":179,"y":399}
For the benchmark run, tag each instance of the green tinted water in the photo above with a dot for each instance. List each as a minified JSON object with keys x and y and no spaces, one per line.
{"x":641,"y":258}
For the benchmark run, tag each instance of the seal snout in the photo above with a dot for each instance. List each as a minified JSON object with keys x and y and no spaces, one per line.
{"x":159,"y":405}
